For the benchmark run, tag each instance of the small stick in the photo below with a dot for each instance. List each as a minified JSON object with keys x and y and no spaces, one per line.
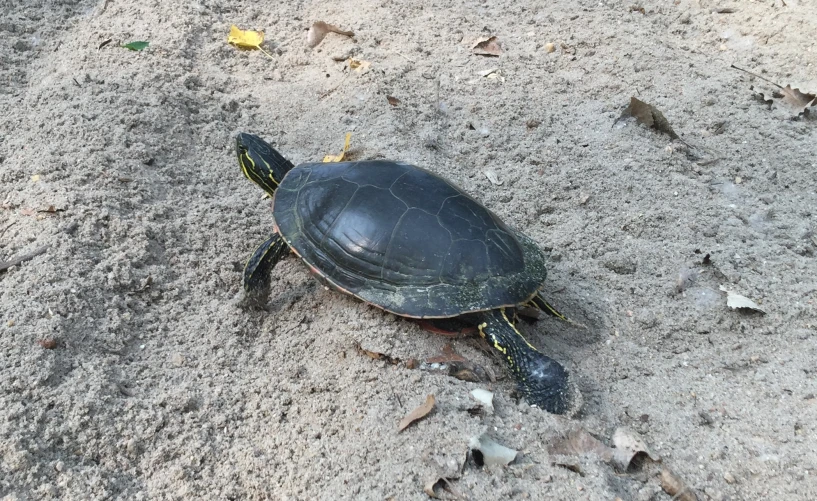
{"x":25,"y":257}
{"x":758,"y":76}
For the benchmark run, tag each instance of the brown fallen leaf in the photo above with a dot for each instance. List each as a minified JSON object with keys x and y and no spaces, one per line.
{"x":487,"y":47}
{"x":417,"y":414}
{"x":737,"y":301}
{"x":797,"y":98}
{"x":629,"y":445}
{"x":449,"y":355}
{"x":648,"y":115}
{"x":801,"y":101}
{"x":676,"y":487}
{"x":392,"y":100}
{"x":579,"y":442}
{"x":378,"y":356}
{"x":318,"y":31}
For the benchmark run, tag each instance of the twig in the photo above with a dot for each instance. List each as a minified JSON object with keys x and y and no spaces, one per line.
{"x":758,"y":76}
{"x":25,"y":257}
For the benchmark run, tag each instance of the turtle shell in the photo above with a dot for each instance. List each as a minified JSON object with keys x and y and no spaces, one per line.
{"x":404,"y":239}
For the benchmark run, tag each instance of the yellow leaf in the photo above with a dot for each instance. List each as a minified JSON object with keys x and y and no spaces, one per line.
{"x":246,"y":39}
{"x":339,"y":158}
{"x":359,"y":66}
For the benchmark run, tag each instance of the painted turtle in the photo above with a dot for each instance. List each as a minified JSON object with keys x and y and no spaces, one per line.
{"x":407,"y":241}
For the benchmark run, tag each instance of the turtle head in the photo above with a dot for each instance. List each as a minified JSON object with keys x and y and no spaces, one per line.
{"x":260,"y":162}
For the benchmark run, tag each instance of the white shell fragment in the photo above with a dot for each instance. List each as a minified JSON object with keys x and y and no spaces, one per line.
{"x":737,"y":301}
{"x":484,"y":397}
{"x":492,"y":452}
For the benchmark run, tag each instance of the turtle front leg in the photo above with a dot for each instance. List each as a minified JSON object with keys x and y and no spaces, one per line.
{"x":542,"y":380}
{"x":258,"y":268}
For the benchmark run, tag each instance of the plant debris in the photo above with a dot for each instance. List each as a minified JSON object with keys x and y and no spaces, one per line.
{"x":359,"y":65}
{"x":676,"y":487}
{"x":737,"y":301}
{"x":649,"y":116}
{"x":800,"y":101}
{"x":449,"y":355}
{"x":4,"y":265}
{"x":488,"y":452}
{"x":493,"y":178}
{"x":373,"y":354}
{"x":339,"y":157}
{"x":628,"y":445}
{"x":247,"y":39}
{"x":318,"y":31}
{"x":487,"y":47}
{"x":104,"y":43}
{"x":135,"y":46}
{"x":392,"y":100}
{"x":484,"y":397}
{"x":433,"y":486}
{"x":417,"y":414}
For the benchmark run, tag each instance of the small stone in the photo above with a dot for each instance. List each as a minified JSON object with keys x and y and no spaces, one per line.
{"x":738,"y":180}
{"x":549,"y":47}
{"x":730,"y":479}
{"x":177,"y":360}
{"x":59,"y":466}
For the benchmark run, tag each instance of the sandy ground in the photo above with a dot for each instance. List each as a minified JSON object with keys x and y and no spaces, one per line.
{"x":161,"y":386}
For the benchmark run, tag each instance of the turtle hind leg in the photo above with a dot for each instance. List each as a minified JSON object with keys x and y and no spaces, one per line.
{"x":542,"y":380}
{"x":258,"y":268}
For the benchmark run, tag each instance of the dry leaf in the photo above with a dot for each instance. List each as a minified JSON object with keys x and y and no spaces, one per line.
{"x":417,"y":414}
{"x":246,"y":39}
{"x":676,"y":487}
{"x":737,"y":301}
{"x":492,"y":177}
{"x":629,"y":444}
{"x":579,"y":442}
{"x":27,"y":212}
{"x":339,"y":158}
{"x":320,"y":29}
{"x":392,"y":100}
{"x":487,"y":47}
{"x":492,"y":452}
{"x":371,"y":354}
{"x":359,"y":66}
{"x":798,"y":99}
{"x":449,"y":355}
{"x":436,"y":483}
{"x":648,"y":115}
{"x":484,"y":397}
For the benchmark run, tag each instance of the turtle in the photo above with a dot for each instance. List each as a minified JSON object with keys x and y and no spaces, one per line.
{"x":406,"y":240}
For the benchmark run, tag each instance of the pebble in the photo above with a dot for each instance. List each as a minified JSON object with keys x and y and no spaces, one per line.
{"x":730,"y":479}
{"x":549,"y":47}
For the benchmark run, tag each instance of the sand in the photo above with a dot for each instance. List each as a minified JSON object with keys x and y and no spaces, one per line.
{"x":130,"y":370}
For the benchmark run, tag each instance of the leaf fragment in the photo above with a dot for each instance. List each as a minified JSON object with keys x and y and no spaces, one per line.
{"x":449,"y":355}
{"x":737,"y":301}
{"x":339,"y":157}
{"x":392,"y":100}
{"x":629,"y":444}
{"x":649,"y":116}
{"x":359,"y":66}
{"x":676,"y":487}
{"x":104,"y":43}
{"x":246,"y":39}
{"x":797,"y":98}
{"x":136,"y":46}
{"x":318,"y":31}
{"x":487,"y":47}
{"x":417,"y":414}
{"x":492,"y":452}
{"x":492,"y":177}
{"x":484,"y":397}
